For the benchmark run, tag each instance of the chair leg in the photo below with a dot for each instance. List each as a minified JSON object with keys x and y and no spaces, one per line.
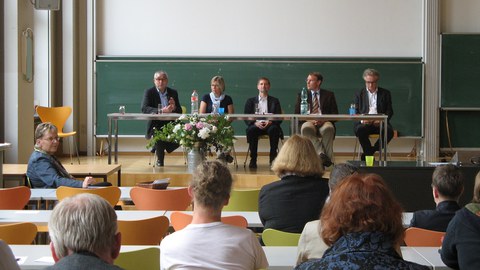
{"x":234,"y":156}
{"x":184,"y":156}
{"x":76,"y":150}
{"x":246,"y":157}
{"x":355,"y":149}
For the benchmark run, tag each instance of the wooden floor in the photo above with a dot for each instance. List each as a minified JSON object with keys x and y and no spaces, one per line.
{"x":138,"y":167}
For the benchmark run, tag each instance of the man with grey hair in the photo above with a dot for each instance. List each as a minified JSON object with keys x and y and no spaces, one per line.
{"x":83,"y":230}
{"x":447,"y":187}
{"x":310,"y":244}
{"x":372,"y":100}
{"x":44,"y":169}
{"x":160,"y":99}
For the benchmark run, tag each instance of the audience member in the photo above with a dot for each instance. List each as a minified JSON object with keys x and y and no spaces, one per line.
{"x":372,"y":100}
{"x":298,"y":197}
{"x":461,"y":245}
{"x":321,"y":133}
{"x":311,"y":245}
{"x":160,"y":99}
{"x":83,"y":230}
{"x":263,"y":103}
{"x":216,"y":101}
{"x":207,"y":243}
{"x":447,"y":187}
{"x":44,"y":169}
{"x":7,"y":259}
{"x":362,"y":224}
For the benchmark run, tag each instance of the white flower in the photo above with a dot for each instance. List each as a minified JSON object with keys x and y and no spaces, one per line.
{"x":177,"y":128}
{"x":204,"y":133}
{"x":214,"y":129}
{"x":183,"y":116}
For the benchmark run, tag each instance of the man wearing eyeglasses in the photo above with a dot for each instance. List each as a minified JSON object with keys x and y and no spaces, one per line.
{"x":372,"y":100}
{"x":321,"y":133}
{"x":44,"y":169}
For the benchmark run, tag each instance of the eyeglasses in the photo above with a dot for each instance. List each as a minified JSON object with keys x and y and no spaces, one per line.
{"x":51,"y":139}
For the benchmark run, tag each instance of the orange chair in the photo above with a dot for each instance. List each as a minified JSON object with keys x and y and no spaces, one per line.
{"x":58,"y":116}
{"x":18,"y":233}
{"x":148,"y":231}
{"x":160,"y":199}
{"x":417,"y":237}
{"x":14,"y":198}
{"x":111,"y":194}
{"x":180,"y":220}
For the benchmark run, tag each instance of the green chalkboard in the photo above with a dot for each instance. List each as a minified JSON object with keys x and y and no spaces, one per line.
{"x":122,"y":81}
{"x":460,"y":70}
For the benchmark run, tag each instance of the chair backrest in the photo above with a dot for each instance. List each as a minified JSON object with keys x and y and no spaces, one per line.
{"x":180,"y":220}
{"x":14,"y":198}
{"x":418,"y":237}
{"x":272,"y":237}
{"x":243,"y":200}
{"x":18,"y":233}
{"x":56,"y":115}
{"x":145,"y":259}
{"x":160,"y":199}
{"x":111,"y":194}
{"x":148,"y":231}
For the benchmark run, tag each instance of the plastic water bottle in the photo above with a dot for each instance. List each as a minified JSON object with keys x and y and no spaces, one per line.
{"x":303,"y":102}
{"x":420,"y":158}
{"x":352,"y":109}
{"x":194,"y":102}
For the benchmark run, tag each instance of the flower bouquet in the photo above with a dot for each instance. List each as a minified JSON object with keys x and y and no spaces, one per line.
{"x":198,"y":131}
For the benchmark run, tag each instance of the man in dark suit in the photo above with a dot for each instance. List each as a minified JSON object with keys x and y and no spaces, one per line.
{"x":263,"y":103}
{"x":372,"y":100}
{"x":447,"y":187}
{"x":160,"y":99}
{"x":321,"y":133}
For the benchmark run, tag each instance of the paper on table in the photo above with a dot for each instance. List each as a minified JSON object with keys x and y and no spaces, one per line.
{"x":47,"y":259}
{"x":21,"y":259}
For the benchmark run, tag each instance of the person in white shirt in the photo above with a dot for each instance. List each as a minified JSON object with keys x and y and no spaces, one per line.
{"x":207,"y":243}
{"x":372,"y":100}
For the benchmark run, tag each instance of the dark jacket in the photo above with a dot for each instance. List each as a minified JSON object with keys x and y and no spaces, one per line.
{"x":150,"y":102}
{"x":435,"y":220}
{"x":461,"y":244}
{"x":362,"y":250}
{"x":44,"y":171}
{"x":81,"y":261}
{"x":328,"y":103}
{"x":384,"y":102}
{"x":273,"y":105}
{"x":288,"y":204}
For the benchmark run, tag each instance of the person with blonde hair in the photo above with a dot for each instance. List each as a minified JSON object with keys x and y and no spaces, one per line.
{"x":207,"y":243}
{"x":461,"y":245}
{"x":299,"y":195}
{"x":362,"y":225}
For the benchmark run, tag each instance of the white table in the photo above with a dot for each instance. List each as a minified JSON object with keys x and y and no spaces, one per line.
{"x":432,"y":255}
{"x":294,"y":119}
{"x":279,"y":258}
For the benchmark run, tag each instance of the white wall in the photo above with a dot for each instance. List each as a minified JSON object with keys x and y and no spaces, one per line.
{"x":460,"y":16}
{"x":260,"y":28}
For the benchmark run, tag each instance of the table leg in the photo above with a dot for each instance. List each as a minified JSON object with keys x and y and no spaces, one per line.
{"x":109,"y":140}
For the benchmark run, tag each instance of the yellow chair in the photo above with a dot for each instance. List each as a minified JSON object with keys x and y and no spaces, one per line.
{"x":58,"y":116}
{"x":148,"y":231}
{"x":418,"y":237}
{"x":18,"y":233}
{"x":243,"y":200}
{"x":111,"y":194}
{"x":180,"y":220}
{"x":14,"y":198}
{"x":145,"y":259}
{"x":272,"y":237}
{"x":160,"y":199}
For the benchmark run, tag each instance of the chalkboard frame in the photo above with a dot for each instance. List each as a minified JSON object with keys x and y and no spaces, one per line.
{"x":122,"y":81}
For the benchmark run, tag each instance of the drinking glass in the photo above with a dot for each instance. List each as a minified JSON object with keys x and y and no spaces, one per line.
{"x":160,"y":107}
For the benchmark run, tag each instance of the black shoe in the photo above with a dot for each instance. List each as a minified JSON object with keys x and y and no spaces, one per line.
{"x":272,"y":158}
{"x":362,"y":157}
{"x":152,"y":150}
{"x":325,"y":160}
{"x":228,"y":158}
{"x":159,"y":163}
{"x":252,"y":164}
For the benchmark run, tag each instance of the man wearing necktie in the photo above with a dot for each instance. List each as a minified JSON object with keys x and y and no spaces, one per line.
{"x":321,"y":133}
{"x":167,"y":97}
{"x":372,"y":100}
{"x":263,"y":103}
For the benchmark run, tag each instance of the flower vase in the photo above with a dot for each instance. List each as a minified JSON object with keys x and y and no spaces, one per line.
{"x":195,"y":157}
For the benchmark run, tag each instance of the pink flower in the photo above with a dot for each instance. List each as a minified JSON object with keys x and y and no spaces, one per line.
{"x":188,"y":126}
{"x":199,"y":125}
